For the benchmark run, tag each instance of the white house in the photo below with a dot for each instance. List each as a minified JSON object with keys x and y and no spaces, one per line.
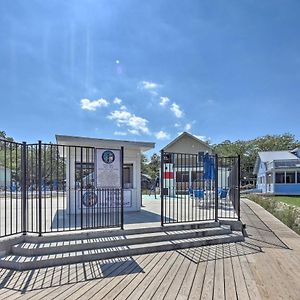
{"x":278,"y":172}
{"x":75,"y":158}
{"x":181,"y":165}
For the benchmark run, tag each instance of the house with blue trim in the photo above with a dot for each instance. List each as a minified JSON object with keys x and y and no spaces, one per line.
{"x":278,"y":172}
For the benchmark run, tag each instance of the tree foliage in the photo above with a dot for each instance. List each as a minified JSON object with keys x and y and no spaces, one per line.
{"x":151,"y":167}
{"x":248,"y":150}
{"x":5,"y":137}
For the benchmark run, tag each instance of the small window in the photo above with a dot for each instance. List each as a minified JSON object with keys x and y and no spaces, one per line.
{"x":182,"y":176}
{"x":290,"y":177}
{"x":128,"y":176}
{"x":84,"y":174}
{"x":298,"y":177}
{"x":279,"y":178}
{"x":269,"y":178}
{"x":197,"y":176}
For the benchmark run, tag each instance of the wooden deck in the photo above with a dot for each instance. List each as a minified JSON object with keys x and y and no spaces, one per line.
{"x":265,"y":266}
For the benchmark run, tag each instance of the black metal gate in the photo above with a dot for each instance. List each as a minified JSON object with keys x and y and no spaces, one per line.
{"x":50,"y":187}
{"x":198,"y":187}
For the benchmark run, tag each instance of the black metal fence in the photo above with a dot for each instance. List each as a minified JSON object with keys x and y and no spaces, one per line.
{"x":49,"y":187}
{"x":197,"y":187}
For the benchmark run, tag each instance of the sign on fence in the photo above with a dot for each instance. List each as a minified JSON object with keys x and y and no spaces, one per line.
{"x":108,"y":168}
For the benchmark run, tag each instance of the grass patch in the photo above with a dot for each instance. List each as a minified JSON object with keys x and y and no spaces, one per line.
{"x":287,"y":214}
{"x":290,"y":200}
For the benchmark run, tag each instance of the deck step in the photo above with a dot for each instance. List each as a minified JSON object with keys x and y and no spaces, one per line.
{"x":23,"y":262}
{"x":33,"y":249}
{"x":87,"y":234}
{"x":62,"y":249}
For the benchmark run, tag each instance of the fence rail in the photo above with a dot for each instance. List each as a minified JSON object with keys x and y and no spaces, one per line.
{"x":49,"y":187}
{"x":197,"y":187}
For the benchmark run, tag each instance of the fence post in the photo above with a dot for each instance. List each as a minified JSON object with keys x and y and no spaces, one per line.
{"x":24,"y":187}
{"x":81,"y":189}
{"x":162,"y":187}
{"x":40,"y":185}
{"x":216,"y":188}
{"x":122,"y":187}
{"x":238,"y":187}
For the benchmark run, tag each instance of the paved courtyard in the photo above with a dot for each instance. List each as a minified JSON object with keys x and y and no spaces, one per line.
{"x":265,"y":266}
{"x":55,"y":216}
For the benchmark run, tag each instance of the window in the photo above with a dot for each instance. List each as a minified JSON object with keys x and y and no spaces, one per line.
{"x":298,"y":177}
{"x":279,"y":177}
{"x":197,"y":176}
{"x":128,"y":176}
{"x":290,"y":177}
{"x":182,"y":176}
{"x":269,"y":178}
{"x":84,"y":173}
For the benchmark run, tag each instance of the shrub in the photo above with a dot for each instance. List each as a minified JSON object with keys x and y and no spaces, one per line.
{"x":289,"y":215}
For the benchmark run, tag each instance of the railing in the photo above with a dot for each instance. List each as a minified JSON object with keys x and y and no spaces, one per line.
{"x":199,"y":187}
{"x":49,"y":188}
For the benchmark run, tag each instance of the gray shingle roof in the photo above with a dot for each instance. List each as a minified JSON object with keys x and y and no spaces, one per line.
{"x":268,"y":156}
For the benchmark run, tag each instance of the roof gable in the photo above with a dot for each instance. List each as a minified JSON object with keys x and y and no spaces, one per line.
{"x":268,"y":156}
{"x":96,"y":142}
{"x":186,"y":135}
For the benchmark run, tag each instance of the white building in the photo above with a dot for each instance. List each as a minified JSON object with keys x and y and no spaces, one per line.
{"x":74,"y":156}
{"x":181,"y":169}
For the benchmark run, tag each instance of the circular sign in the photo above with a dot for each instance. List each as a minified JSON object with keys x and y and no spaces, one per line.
{"x":89,"y":199}
{"x":108,"y":157}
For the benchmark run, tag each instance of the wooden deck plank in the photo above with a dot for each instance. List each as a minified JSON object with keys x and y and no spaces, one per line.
{"x":156,"y":273}
{"x":95,"y":287}
{"x":67,"y":277}
{"x":175,"y":286}
{"x":116,"y":287}
{"x":208,"y":283}
{"x":187,"y":283}
{"x":197,"y":283}
{"x":112,"y":284}
{"x":249,"y":279}
{"x":153,"y":266}
{"x":230,"y":291}
{"x":219,"y":280}
{"x":151,"y":288}
{"x":161,"y":286}
{"x":240,"y":285}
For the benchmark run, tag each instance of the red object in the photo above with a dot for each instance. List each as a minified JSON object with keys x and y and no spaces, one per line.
{"x":168,"y":175}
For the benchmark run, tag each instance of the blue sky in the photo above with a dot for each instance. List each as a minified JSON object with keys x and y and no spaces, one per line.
{"x":148,"y":70}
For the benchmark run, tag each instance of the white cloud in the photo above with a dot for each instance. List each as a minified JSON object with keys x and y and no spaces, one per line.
{"x":117,"y":100}
{"x":164,"y":101}
{"x":201,"y":137}
{"x":187,"y":126}
{"x":162,"y":135}
{"x":135,"y":124}
{"x":148,"y":85}
{"x":93,"y":105}
{"x":175,"y":108}
{"x":123,"y":107}
{"x":133,"y":131}
{"x":176,"y":125}
{"x":120,"y":133}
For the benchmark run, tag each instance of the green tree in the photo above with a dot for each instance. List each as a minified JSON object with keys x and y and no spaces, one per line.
{"x":248,"y":149}
{"x":154,"y":165}
{"x":5,"y":137}
{"x":151,"y":167}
